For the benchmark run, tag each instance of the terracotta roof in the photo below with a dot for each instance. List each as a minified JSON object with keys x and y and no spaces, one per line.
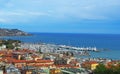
{"x":44,"y":61}
{"x":68,"y":66}
{"x":27,"y":61}
{"x":90,"y":62}
{"x":42,"y":65}
{"x":1,"y":60}
{"x":7,"y":55}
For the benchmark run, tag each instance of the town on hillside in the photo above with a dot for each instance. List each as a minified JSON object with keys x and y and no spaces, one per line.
{"x":24,"y":58}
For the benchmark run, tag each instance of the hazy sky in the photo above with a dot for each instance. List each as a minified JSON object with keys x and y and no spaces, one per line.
{"x":72,"y":16}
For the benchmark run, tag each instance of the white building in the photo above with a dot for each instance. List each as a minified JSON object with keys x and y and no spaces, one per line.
{"x":2,"y":47}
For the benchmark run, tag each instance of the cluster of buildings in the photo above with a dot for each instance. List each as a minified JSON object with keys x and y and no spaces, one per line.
{"x":25,"y":61}
{"x":47,"y":59}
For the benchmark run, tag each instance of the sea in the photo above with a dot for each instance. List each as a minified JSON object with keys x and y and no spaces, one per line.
{"x":108,"y":44}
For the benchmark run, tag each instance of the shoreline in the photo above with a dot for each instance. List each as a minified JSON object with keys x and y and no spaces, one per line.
{"x":52,"y":48}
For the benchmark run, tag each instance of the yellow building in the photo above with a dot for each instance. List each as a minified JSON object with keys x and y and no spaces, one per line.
{"x":93,"y":66}
{"x":90,"y":65}
{"x":55,"y":71}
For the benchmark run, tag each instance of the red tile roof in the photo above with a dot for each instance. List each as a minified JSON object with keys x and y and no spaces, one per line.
{"x":90,"y":62}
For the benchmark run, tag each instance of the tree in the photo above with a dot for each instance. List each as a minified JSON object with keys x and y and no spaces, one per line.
{"x":40,"y":50}
{"x":9,"y":46}
{"x":67,"y":53}
{"x":101,"y":69}
{"x":72,"y":54}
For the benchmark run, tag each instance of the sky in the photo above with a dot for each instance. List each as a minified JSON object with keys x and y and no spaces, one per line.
{"x":61,"y":16}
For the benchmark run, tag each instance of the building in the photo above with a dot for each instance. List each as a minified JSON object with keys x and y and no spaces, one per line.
{"x":12,"y":70}
{"x":55,"y":71}
{"x":90,"y":65}
{"x":2,"y":47}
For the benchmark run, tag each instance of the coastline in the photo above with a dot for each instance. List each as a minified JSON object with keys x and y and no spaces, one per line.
{"x":77,"y":40}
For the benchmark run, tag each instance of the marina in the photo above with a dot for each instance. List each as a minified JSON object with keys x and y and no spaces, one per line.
{"x":51,"y":48}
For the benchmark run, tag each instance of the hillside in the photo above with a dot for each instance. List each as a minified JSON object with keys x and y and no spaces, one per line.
{"x":12,"y":32}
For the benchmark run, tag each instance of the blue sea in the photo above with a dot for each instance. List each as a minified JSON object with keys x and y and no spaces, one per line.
{"x":110,"y":42}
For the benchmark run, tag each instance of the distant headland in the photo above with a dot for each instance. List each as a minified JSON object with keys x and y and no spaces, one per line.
{"x":12,"y":32}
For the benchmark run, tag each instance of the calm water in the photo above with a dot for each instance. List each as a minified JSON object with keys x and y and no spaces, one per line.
{"x":101,"y":41}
